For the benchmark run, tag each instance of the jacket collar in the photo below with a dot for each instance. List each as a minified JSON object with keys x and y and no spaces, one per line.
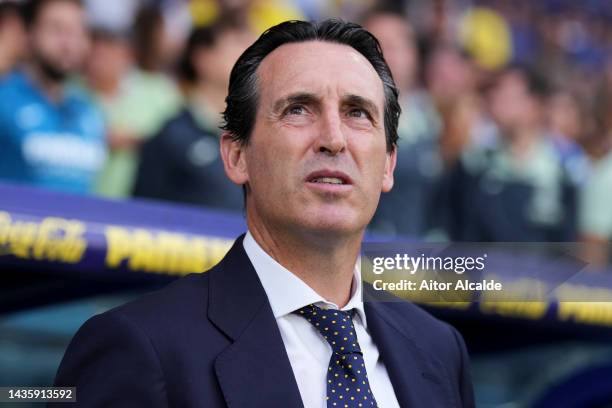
{"x":255,"y":369}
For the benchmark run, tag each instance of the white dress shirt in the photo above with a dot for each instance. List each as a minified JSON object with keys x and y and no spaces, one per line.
{"x":309,"y":353}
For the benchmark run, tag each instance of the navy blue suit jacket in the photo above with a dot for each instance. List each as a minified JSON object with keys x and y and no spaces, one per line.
{"x":211,"y":340}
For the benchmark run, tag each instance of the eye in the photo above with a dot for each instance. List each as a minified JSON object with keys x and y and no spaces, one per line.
{"x":295,"y":110}
{"x":358,"y":113}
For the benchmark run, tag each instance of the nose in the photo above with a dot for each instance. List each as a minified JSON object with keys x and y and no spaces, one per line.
{"x":331,"y":139}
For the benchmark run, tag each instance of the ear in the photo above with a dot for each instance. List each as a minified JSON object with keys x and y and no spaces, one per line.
{"x":234,"y":159}
{"x":390,"y":163}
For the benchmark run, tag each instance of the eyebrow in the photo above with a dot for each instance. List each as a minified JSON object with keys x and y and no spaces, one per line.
{"x":310,"y":98}
{"x":295,"y":98}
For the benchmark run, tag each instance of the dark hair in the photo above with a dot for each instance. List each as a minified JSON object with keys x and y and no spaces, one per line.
{"x":242,"y":99}
{"x":148,"y":23}
{"x":537,"y":85}
{"x":9,"y":9}
{"x":31,"y":9}
{"x":199,"y":38}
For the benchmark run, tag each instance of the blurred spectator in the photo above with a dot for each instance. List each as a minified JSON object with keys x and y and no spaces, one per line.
{"x":568,"y":122}
{"x":182,"y":163}
{"x":595,"y":214}
{"x":150,"y":42}
{"x":515,"y":187}
{"x":136,"y":100}
{"x":449,"y":75}
{"x":12,"y":36}
{"x":51,"y":134}
{"x":419,"y":164}
{"x":445,"y":127}
{"x":451,"y":79}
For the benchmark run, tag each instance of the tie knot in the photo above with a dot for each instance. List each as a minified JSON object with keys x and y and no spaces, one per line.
{"x":336,"y":327}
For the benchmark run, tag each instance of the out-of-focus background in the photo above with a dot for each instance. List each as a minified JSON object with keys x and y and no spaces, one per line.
{"x":505,"y":133}
{"x":505,"y":136}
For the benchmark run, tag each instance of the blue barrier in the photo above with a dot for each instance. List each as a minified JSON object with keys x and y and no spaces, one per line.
{"x":55,"y":246}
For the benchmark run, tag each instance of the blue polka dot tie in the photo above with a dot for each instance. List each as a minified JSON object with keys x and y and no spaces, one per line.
{"x":347,"y":380}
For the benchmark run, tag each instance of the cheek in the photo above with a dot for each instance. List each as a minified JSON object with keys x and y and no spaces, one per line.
{"x":39,"y":40}
{"x":267,"y":169}
{"x":279,"y":150}
{"x":371,"y":157}
{"x":77,"y":43}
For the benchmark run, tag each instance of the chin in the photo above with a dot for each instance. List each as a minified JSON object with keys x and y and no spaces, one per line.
{"x":333,"y":223}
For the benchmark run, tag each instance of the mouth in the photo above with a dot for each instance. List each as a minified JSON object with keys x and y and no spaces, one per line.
{"x":329,"y":177}
{"x":327,"y":180}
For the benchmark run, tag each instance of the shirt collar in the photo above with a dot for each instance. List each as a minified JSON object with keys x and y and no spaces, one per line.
{"x":286,"y":292}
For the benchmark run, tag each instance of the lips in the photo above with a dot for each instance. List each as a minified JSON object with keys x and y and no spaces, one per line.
{"x":329,"y":177}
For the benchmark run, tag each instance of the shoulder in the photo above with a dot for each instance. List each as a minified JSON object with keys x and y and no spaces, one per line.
{"x":19,"y":102}
{"x":11,"y":80}
{"x":162,"y":323}
{"x":172,"y":137}
{"x":140,"y":343}
{"x":12,"y":89}
{"x":78,"y":95}
{"x":157,"y":88}
{"x":175,"y":305}
{"x":181,"y":121}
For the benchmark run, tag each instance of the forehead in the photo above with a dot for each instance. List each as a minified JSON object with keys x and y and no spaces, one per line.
{"x":65,"y":9}
{"x":318,"y":67}
{"x":512,"y":80}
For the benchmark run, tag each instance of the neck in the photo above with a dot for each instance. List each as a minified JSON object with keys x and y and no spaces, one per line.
{"x":52,"y":88}
{"x":326,"y":265}
{"x":521,"y":140}
{"x":211,"y":96}
{"x":106,"y":87}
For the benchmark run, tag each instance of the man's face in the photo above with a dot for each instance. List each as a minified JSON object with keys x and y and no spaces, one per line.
{"x":215,"y":64}
{"x":12,"y":38}
{"x":449,"y":76}
{"x":317,"y":159}
{"x":108,"y":60}
{"x":59,"y":39}
{"x":512,"y":107}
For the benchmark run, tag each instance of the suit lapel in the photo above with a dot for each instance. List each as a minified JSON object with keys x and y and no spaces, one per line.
{"x":254,"y":371}
{"x":410,"y":370}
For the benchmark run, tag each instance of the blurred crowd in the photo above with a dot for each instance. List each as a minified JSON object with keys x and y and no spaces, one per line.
{"x":505,"y":133}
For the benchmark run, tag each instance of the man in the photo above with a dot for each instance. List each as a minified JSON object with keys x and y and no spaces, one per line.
{"x":51,"y":134}
{"x":311,"y":127}
{"x":419,"y":164}
{"x":514,"y":185}
{"x":182,"y":161}
{"x":135,"y":104}
{"x":12,"y":36}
